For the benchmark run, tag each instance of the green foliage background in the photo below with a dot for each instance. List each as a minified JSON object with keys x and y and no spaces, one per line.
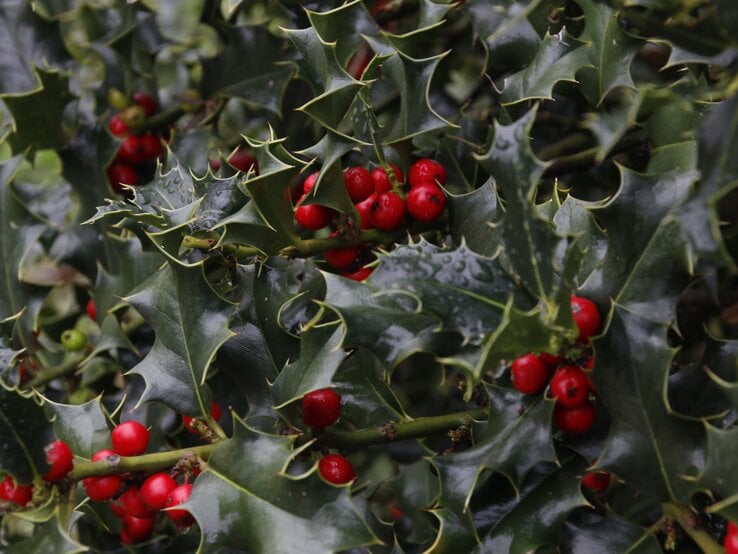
{"x":591,"y":146}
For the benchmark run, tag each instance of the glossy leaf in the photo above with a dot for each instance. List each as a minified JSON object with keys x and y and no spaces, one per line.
{"x":270,"y":502}
{"x":190,"y":323}
{"x":83,"y":427}
{"x":648,"y":445}
{"x":25,"y":431}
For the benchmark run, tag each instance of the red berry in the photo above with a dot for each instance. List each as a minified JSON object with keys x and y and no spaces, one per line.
{"x":569,"y":386}
{"x":309,"y":182}
{"x":731,"y":544}
{"x":426,"y":202}
{"x":575,"y":420}
{"x":732,"y":528}
{"x":312,"y":216}
{"x":359,"y":183}
{"x":359,"y":275}
{"x":188,"y":421}
{"x":336,"y":469}
{"x":426,"y":170}
{"x":130,"y":438}
{"x":147,"y":102}
{"x":131,"y":150}
{"x":590,"y":363}
{"x":529,"y":374}
{"x":243,"y":161}
{"x":156,"y":489}
{"x":102,"y":454}
{"x":151,"y":147}
{"x":182,"y":518}
{"x":550,"y":359}
{"x":12,"y":492}
{"x":135,"y":529}
{"x":342,"y":258}
{"x":117,"y":509}
{"x":215,"y":163}
{"x":321,"y":408}
{"x":596,"y":481}
{"x":586,"y":316}
{"x":91,"y":309}
{"x":133,"y":503}
{"x":365,"y":211}
{"x":387,"y":211}
{"x":381,"y":179}
{"x":117,"y":127}
{"x":101,"y":489}
{"x":122,"y":174}
{"x":59,"y":456}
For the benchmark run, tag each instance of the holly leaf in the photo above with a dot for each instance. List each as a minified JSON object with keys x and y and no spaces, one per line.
{"x":262,"y":82}
{"x":528,"y":241}
{"x":537,"y":519}
{"x":510,"y":443}
{"x":16,"y":239}
{"x":642,"y":211}
{"x":559,"y":58}
{"x":608,"y":533}
{"x":190,"y":323}
{"x":320,"y":356}
{"x":471,"y":216}
{"x":720,"y":460}
{"x":24,"y":431}
{"x":49,"y":537}
{"x":345,"y":26}
{"x":611,"y":51}
{"x":610,"y":125}
{"x":366,"y":397}
{"x":648,"y":445}
{"x":492,"y":25}
{"x":30,"y":42}
{"x":254,"y":501}
{"x":84,"y":427}
{"x":38,"y":115}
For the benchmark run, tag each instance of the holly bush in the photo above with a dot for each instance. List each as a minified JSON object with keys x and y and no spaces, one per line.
{"x":407,"y":368}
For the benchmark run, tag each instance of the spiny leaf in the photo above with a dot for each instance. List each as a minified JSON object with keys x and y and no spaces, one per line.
{"x":647,"y":445}
{"x":38,"y":116}
{"x":611,"y":51}
{"x":191,"y":323}
{"x":608,"y":534}
{"x":529,"y":241}
{"x":320,"y":356}
{"x":254,"y":502}
{"x":84,"y":427}
{"x":29,"y":42}
{"x":261,"y":82}
{"x":558,"y":59}
{"x":640,"y":211}
{"x":366,"y":397}
{"x":537,"y":519}
{"x":610,"y":126}
{"x":471,"y":215}
{"x":17,"y":237}
{"x":344,"y":26}
{"x":24,"y":431}
{"x":50,"y":537}
{"x":511,"y":443}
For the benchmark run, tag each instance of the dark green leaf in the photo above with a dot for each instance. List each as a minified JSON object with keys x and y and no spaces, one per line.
{"x":320,"y":356}
{"x":510,"y":443}
{"x":471,"y":215}
{"x":558,"y":59}
{"x":84,"y":427}
{"x":254,"y":503}
{"x":50,"y":537}
{"x":191,"y":323}
{"x":38,"y":116}
{"x":529,"y":241}
{"x":608,"y":534}
{"x":24,"y":432}
{"x":29,"y":41}
{"x":648,"y":445}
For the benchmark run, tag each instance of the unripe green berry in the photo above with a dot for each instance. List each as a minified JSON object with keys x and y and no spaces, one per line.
{"x":133,"y":117}
{"x":73,"y":340}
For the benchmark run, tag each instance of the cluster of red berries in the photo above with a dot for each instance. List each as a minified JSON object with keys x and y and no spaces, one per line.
{"x":731,"y":539}
{"x":137,"y":506}
{"x":380,"y":204}
{"x":61,"y":461}
{"x":320,"y":409}
{"x":136,"y":148}
{"x":570,"y":385}
{"x":596,"y":481}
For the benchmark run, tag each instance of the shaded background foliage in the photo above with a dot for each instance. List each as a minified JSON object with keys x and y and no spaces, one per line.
{"x":590,"y":147}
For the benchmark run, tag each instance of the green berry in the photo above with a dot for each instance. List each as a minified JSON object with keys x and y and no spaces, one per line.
{"x":73,"y":340}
